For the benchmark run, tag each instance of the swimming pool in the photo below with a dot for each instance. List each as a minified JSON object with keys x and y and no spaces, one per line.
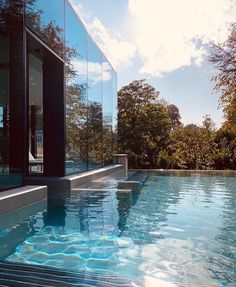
{"x":172,"y":229}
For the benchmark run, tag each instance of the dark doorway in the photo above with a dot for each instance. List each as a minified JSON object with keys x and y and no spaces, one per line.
{"x":35,"y":111}
{"x":46,"y":141}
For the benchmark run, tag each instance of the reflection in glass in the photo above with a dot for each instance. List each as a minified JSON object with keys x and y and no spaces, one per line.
{"x":115,"y":109}
{"x":89,"y":88}
{"x":4,"y":108}
{"x":107,"y":111}
{"x":35,"y":114}
{"x":95,"y":121}
{"x":90,"y":93}
{"x":76,"y":93}
{"x":10,"y":174}
{"x":46,"y":19}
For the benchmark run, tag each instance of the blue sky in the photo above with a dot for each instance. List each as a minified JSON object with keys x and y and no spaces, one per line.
{"x":165,"y":42}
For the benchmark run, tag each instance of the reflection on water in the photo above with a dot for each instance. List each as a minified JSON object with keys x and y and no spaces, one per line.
{"x":175,"y":229}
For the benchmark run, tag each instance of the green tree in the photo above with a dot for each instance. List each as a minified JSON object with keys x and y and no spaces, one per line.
{"x":223,"y":57}
{"x":193,"y":147}
{"x":225,"y":157}
{"x":143,"y":124}
{"x":174,"y":116}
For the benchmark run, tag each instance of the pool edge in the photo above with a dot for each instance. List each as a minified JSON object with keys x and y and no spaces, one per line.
{"x":20,"y":197}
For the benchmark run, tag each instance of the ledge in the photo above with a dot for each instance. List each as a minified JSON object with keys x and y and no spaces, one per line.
{"x":221,"y":172}
{"x":19,"y":197}
{"x":72,"y":181}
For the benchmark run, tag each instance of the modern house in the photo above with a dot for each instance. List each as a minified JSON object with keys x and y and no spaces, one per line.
{"x":57,"y":94}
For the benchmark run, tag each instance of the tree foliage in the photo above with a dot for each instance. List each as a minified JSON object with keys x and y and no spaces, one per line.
{"x":223,"y":57}
{"x":151,"y":133}
{"x":143,"y":124}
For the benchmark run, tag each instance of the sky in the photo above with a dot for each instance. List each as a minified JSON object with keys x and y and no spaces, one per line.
{"x":165,"y":42}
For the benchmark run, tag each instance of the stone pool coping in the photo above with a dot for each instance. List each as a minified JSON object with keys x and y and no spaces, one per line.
{"x":19,"y":197}
{"x":75,"y":180}
{"x":191,"y":171}
{"x":37,"y":187}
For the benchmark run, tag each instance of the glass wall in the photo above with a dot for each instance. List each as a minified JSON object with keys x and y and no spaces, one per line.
{"x":10,"y":171}
{"x":107,"y":80}
{"x":4,"y":110}
{"x":90,"y":94}
{"x":76,"y":66}
{"x":35,"y":82}
{"x":95,"y":127}
{"x":90,"y":84}
{"x":115,"y":109}
{"x":29,"y":110}
{"x":46,"y":19}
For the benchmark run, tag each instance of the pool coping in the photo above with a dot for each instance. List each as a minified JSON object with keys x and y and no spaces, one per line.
{"x":16,"y":198}
{"x":193,"y":171}
{"x":75,"y":180}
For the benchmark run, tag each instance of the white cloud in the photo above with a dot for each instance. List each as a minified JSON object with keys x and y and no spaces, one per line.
{"x":94,"y":70}
{"x":171,"y":34}
{"x":167,"y":34}
{"x":119,"y":51}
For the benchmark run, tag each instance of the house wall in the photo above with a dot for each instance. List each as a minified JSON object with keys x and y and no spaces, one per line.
{"x":78,"y":122}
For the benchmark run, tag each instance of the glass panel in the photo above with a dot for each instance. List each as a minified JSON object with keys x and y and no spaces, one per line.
{"x":35,"y":81}
{"x":4,"y":110}
{"x":95,"y":126}
{"x":76,"y":93}
{"x":46,"y":19}
{"x":107,"y":74}
{"x":114,"y":114}
{"x":10,"y":175}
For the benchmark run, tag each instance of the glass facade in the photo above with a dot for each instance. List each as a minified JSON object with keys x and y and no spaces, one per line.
{"x":4,"y":105}
{"x":57,"y":93}
{"x":90,"y":93}
{"x":11,"y":103}
{"x":107,"y":80}
{"x":95,"y":128}
{"x":35,"y":110}
{"x":46,"y":20}
{"x":76,"y":67}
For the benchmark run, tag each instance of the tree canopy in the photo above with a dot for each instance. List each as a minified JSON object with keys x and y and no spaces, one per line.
{"x":151,"y":133}
{"x":223,"y":57}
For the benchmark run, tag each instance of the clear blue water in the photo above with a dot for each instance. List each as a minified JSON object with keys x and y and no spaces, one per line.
{"x":173,"y":229}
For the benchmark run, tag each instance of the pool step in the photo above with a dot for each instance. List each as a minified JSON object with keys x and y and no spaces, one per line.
{"x":119,"y":181}
{"x":99,"y":189}
{"x":128,"y":184}
{"x":24,"y":275}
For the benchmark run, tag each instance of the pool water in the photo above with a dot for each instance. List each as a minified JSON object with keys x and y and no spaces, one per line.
{"x":172,"y":229}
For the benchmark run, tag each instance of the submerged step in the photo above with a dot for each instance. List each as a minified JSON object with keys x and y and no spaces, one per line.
{"x":101,"y":189}
{"x":32,"y":275}
{"x":128,"y":184}
{"x":107,"y":186}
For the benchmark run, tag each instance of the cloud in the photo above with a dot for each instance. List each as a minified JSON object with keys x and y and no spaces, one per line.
{"x":166,"y":34}
{"x":94,"y":71}
{"x":171,"y":34}
{"x":119,"y":51}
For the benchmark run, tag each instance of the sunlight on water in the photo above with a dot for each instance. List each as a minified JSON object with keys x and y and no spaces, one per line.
{"x":174,"y":230}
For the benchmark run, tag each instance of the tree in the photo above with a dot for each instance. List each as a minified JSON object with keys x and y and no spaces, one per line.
{"x":193,"y":147}
{"x":223,"y":57}
{"x":174,"y":116}
{"x":225,"y":156}
{"x":143,"y":124}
